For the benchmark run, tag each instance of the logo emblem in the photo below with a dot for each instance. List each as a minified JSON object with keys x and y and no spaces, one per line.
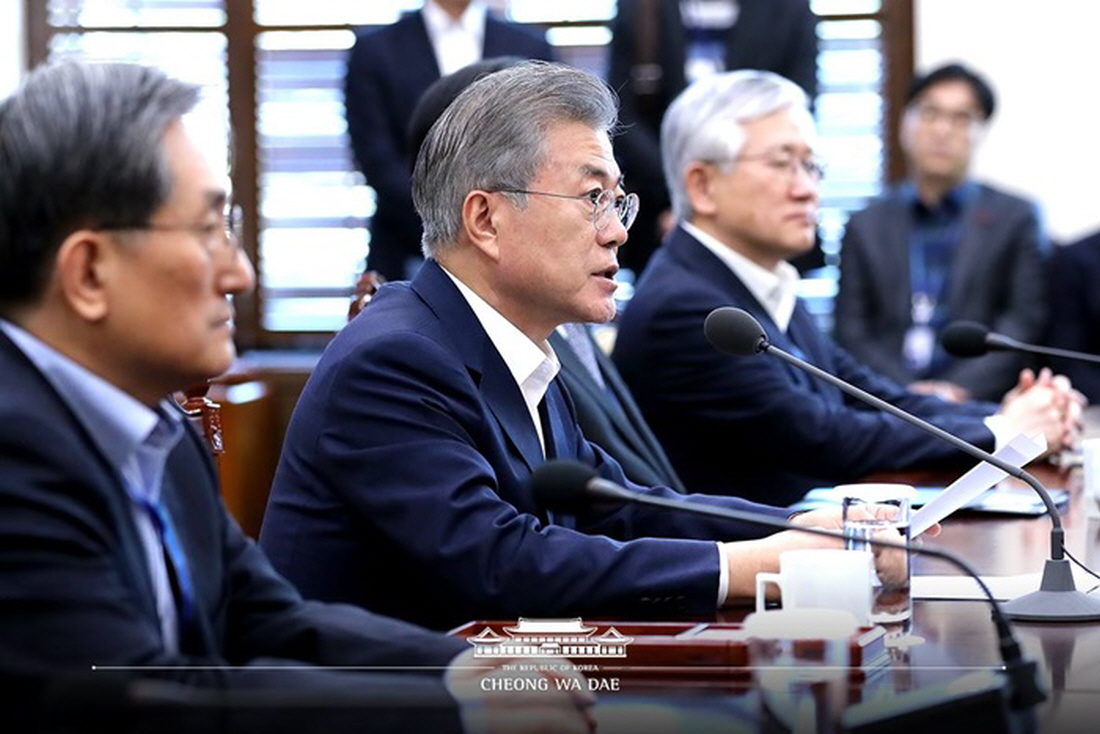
{"x":540,"y":638}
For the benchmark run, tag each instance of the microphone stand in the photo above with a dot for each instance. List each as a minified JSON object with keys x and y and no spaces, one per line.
{"x":1007,"y":344}
{"x":1057,"y":599}
{"x":1024,"y":689}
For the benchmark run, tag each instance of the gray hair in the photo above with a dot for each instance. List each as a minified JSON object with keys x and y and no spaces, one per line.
{"x":704,"y":122}
{"x":492,"y":137}
{"x":81,"y":146}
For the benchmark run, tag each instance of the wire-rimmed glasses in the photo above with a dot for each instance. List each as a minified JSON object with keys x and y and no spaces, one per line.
{"x":603,"y":204}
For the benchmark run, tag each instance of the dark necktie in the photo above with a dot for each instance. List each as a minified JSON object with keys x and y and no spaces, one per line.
{"x":576,"y":335}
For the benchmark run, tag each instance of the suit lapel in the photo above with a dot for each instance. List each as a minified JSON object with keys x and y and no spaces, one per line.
{"x":583,"y":379}
{"x":636,"y":428}
{"x":743,"y":39}
{"x":891,"y":256}
{"x":419,"y":60}
{"x":504,"y":400}
{"x":500,"y":393}
{"x":494,"y":44}
{"x":801,"y":338}
{"x":16,"y":367}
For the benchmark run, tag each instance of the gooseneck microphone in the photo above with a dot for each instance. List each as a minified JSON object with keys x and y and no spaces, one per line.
{"x":971,"y":339}
{"x":570,"y":486}
{"x":735,"y":331}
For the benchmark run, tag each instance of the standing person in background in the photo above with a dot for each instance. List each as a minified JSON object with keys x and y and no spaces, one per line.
{"x":941,"y":247}
{"x":658,"y":47}
{"x":1075,"y":311}
{"x":118,"y":263}
{"x":388,"y":70}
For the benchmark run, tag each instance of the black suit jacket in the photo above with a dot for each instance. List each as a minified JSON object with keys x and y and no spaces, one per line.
{"x":404,"y":485}
{"x":770,"y":35}
{"x":756,"y":426}
{"x":996,"y":278}
{"x":1075,"y":311}
{"x":388,"y":69}
{"x":611,"y":419}
{"x":74,"y":587}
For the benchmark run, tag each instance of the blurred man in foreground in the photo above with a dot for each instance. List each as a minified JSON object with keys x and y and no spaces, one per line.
{"x":118,"y":260}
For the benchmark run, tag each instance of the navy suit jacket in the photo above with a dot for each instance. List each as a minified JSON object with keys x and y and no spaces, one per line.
{"x":1075,"y":311}
{"x":388,"y":69}
{"x":74,"y":586}
{"x":756,"y":426}
{"x":997,"y":279}
{"x":610,"y":418}
{"x":403,"y":485}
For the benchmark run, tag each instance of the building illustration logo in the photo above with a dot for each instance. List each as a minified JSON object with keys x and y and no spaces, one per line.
{"x":567,"y":638}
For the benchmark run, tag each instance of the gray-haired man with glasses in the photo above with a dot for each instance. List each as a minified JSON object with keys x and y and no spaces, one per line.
{"x":403,"y":484}
{"x":741,"y":165}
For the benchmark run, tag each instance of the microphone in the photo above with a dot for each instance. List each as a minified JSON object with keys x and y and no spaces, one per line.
{"x":569,"y":486}
{"x":971,"y":339}
{"x":734,"y":331}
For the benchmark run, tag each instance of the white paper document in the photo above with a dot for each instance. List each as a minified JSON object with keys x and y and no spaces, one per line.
{"x":1016,"y":452}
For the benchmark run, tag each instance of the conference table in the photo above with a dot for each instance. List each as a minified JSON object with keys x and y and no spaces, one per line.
{"x":959,"y":635}
{"x":956,"y":639}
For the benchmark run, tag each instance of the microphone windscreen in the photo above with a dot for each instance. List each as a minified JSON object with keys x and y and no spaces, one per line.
{"x":562,"y":485}
{"x":965,"y":339}
{"x":734,"y":331}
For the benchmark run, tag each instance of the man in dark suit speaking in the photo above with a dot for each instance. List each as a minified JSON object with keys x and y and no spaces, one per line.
{"x":117,"y":266}
{"x":740,"y":162}
{"x":403,"y":483}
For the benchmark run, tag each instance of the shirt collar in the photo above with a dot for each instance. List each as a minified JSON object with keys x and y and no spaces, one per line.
{"x":118,"y":423}
{"x":953,"y":201}
{"x":532,"y":365}
{"x":776,"y":290}
{"x":438,"y":21}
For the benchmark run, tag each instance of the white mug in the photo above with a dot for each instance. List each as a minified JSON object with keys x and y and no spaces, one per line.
{"x":822,"y":578}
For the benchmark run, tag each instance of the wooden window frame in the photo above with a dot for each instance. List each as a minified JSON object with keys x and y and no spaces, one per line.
{"x":241,"y":31}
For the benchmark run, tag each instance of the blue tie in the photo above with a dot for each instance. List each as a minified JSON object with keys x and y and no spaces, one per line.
{"x":173,"y":554}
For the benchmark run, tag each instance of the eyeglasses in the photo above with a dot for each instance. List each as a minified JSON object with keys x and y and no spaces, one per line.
{"x":603,"y":204}
{"x":223,"y":235}
{"x":929,"y":114}
{"x":789,"y":164}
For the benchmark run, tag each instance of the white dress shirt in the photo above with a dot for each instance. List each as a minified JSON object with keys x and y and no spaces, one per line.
{"x":777,"y":290}
{"x":457,"y":43}
{"x":532,"y":365}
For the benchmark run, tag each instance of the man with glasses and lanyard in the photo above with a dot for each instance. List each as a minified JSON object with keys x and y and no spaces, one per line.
{"x":403,"y":483}
{"x":939,"y":247}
